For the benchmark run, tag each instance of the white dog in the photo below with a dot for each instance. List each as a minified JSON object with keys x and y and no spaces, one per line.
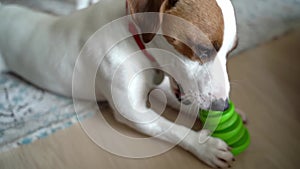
{"x":44,"y":49}
{"x":81,"y":4}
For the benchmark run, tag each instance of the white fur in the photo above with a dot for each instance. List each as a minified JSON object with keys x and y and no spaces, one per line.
{"x":229,"y":37}
{"x":81,"y":4}
{"x":43,"y":49}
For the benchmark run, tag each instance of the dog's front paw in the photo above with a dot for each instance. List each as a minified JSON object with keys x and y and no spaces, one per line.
{"x":212,"y":151}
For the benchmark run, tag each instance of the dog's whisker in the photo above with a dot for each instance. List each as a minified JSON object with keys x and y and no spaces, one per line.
{"x":234,"y":84}
{"x":236,"y":81}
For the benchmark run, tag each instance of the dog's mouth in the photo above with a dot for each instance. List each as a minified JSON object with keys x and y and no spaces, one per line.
{"x":179,"y":93}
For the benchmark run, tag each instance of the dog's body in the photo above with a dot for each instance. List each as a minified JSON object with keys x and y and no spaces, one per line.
{"x":44,"y":49}
{"x":54,"y":43}
{"x":81,"y":4}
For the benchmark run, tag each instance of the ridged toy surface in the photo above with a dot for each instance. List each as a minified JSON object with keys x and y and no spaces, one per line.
{"x":228,"y":126}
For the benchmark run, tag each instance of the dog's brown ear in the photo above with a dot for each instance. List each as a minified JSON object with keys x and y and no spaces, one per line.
{"x":147,"y":23}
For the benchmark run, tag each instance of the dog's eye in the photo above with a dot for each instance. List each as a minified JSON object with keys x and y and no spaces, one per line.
{"x":173,"y":2}
{"x":205,"y":54}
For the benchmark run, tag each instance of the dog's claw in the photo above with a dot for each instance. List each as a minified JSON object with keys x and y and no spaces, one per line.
{"x":215,"y":152}
{"x":243,"y":115}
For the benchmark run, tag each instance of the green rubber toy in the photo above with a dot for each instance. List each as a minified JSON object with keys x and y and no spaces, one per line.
{"x":228,"y":127}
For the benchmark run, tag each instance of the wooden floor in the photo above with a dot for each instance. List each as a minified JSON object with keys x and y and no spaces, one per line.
{"x":265,"y":84}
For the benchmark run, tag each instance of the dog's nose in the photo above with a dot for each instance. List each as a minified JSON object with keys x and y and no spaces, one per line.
{"x":205,"y":53}
{"x":219,"y":105}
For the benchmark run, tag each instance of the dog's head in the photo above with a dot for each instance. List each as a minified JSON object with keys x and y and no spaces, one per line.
{"x":204,"y":54}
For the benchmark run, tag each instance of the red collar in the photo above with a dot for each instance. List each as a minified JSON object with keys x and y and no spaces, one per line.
{"x":133,"y":30}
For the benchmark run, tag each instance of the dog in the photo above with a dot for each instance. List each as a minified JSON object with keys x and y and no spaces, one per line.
{"x":43,"y":49}
{"x":81,"y":4}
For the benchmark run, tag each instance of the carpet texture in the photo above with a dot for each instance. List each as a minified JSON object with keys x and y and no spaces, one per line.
{"x":28,"y":113}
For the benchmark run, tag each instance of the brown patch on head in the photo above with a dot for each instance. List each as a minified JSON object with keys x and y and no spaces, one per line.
{"x":206,"y":15}
{"x":147,"y":23}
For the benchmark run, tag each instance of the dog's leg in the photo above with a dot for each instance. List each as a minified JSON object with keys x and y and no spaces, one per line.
{"x":94,"y":1}
{"x":81,"y":4}
{"x":166,"y":88}
{"x":3,"y":67}
{"x":135,"y":114}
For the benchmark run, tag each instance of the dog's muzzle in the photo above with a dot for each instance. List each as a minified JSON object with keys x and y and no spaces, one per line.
{"x":216,"y":105}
